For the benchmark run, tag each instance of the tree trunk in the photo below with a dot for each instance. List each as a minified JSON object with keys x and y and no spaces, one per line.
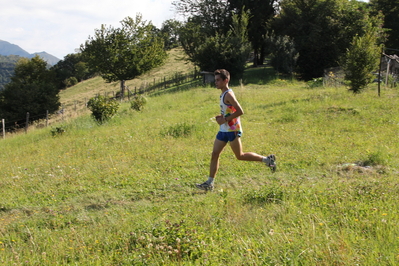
{"x":255,"y":58}
{"x":122,"y":89}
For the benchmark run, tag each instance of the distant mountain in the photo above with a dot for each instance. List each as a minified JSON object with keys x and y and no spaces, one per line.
{"x":7,"y":48}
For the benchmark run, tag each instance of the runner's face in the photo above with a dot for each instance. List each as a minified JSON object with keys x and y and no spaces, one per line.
{"x":219,"y":82}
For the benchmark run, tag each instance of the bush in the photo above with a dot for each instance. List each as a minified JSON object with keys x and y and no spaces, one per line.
{"x":103,"y":108}
{"x":315,"y":83}
{"x":138,"y":102}
{"x":71,"y":81}
{"x":361,"y":59}
{"x":57,"y":131}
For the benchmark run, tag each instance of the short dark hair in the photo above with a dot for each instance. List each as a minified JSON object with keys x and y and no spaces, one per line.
{"x":224,"y":74}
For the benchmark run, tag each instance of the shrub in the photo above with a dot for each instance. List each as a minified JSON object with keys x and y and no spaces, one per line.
{"x":103,"y":108}
{"x":315,"y":83}
{"x":138,"y":102}
{"x":71,"y":81}
{"x":57,"y":131}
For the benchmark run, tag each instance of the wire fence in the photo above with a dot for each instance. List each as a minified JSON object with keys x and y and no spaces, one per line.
{"x":177,"y":82}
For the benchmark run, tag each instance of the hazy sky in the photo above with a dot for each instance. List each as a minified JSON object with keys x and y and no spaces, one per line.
{"x":60,"y":26}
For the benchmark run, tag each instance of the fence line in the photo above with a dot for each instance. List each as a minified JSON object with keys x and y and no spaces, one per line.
{"x":176,"y":83}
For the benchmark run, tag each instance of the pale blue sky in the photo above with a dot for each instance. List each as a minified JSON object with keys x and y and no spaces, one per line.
{"x":60,"y":26}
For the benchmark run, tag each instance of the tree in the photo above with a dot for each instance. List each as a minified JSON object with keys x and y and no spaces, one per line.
{"x":390,"y":10}
{"x":119,"y":54}
{"x":321,"y":30}
{"x":284,"y":55}
{"x":213,"y":38}
{"x":228,"y":50}
{"x":261,"y":12}
{"x":7,"y":65}
{"x":170,"y":33}
{"x":32,"y":89}
{"x":213,"y":16}
{"x":362,"y":57}
{"x":73,"y":66}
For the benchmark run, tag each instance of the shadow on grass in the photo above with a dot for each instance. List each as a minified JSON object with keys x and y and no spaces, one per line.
{"x":259,"y":75}
{"x":252,"y":75}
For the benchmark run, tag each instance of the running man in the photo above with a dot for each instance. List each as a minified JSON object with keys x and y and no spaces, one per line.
{"x":230,"y":131}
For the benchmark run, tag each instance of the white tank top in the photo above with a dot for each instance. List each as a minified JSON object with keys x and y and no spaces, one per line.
{"x":226,"y":110}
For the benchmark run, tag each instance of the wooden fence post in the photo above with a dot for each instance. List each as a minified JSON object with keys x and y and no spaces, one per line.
{"x":46,"y":118}
{"x":4,"y":128}
{"x":27,"y":122}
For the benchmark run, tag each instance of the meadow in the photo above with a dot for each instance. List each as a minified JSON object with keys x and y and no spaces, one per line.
{"x":123,"y":193}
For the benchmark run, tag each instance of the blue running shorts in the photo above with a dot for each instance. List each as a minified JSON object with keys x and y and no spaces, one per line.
{"x":228,"y":136}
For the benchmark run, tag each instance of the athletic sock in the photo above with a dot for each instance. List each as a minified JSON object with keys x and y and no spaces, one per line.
{"x":210,"y":180}
{"x":265,"y":159}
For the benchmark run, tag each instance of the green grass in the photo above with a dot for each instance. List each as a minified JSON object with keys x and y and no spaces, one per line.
{"x":123,"y":193}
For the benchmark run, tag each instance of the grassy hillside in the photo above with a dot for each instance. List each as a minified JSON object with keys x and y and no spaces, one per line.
{"x":123,"y":193}
{"x":89,"y":88}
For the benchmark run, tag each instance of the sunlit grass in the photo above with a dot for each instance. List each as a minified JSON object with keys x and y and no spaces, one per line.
{"x":123,"y":193}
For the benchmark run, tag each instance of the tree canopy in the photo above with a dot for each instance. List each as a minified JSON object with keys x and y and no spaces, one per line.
{"x":212,"y":38}
{"x":390,"y":10}
{"x":32,"y":89}
{"x":261,"y":13}
{"x":119,"y":54}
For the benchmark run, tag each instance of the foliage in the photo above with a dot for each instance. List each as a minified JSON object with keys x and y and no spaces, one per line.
{"x":71,"y":68}
{"x":321,"y":31}
{"x":170,"y":33}
{"x":32,"y":89}
{"x":362,"y":59}
{"x":7,"y":65}
{"x":284,"y":55}
{"x":59,"y":130}
{"x":228,"y":50}
{"x":71,"y":81}
{"x":138,"y":102}
{"x":315,"y":83}
{"x":261,"y":12}
{"x":212,"y":16}
{"x":390,"y":10}
{"x":103,"y":108}
{"x":119,"y":54}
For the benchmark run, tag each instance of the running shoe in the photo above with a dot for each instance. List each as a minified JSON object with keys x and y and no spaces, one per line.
{"x":205,"y":186}
{"x":271,"y":162}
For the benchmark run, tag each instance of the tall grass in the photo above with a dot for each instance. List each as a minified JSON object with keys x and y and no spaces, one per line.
{"x":123,"y":193}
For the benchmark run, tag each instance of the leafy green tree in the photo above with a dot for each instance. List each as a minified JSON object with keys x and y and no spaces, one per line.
{"x":222,"y":50}
{"x":213,"y":16}
{"x":321,"y":30}
{"x":170,"y":33}
{"x":261,"y":12}
{"x":72,"y":66}
{"x":362,"y":57}
{"x":284,"y":55}
{"x":32,"y":89}
{"x":119,"y":54}
{"x":390,"y":10}
{"x":212,"y":38}
{"x":7,"y":65}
